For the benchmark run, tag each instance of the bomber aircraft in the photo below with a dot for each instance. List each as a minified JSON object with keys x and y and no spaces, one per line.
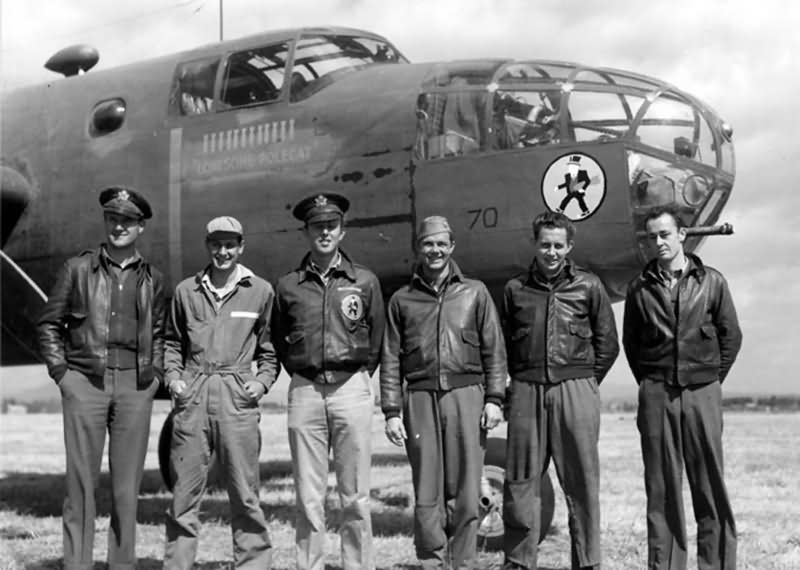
{"x":248,"y":127}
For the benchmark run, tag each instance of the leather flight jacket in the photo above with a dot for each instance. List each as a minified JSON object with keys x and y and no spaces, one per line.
{"x":326,"y":332}
{"x":442,"y":340}
{"x":688,"y":336}
{"x":73,"y":326}
{"x":561,"y":330}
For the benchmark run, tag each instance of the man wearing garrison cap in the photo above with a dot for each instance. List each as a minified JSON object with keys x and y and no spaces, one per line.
{"x":218,"y":325}
{"x":328,"y":324}
{"x":101,"y":336}
{"x":443,"y":347}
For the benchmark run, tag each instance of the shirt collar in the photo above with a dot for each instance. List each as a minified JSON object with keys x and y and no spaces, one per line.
{"x":342,"y":264}
{"x":132,"y":263}
{"x":242,"y":274}
{"x":693,"y":266}
{"x":455,"y":274}
{"x":335,"y":264}
{"x":536,"y":276}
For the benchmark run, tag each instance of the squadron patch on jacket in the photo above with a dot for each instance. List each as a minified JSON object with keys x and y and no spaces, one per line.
{"x":352,"y":307}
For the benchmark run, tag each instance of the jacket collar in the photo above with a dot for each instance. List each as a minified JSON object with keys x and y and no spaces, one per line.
{"x":98,"y":258}
{"x":418,"y":281}
{"x":694,"y":267}
{"x":535,"y":277}
{"x":345,"y":268}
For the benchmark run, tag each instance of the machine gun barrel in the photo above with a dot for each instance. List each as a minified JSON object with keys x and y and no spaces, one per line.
{"x":725,"y":229}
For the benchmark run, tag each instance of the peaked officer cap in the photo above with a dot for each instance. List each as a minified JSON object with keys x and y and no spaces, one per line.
{"x":319,"y":207}
{"x":125,"y":201}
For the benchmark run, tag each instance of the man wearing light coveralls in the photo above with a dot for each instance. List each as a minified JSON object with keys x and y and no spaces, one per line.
{"x":218,"y":325}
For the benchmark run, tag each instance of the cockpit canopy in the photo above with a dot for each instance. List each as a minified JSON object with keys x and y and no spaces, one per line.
{"x":291,"y":68}
{"x":497,"y":105}
{"x":677,"y":149}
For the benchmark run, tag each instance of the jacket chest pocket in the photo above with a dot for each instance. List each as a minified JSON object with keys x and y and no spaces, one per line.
{"x":412,"y":361}
{"x":520,"y":349}
{"x":297,"y":353}
{"x":471,"y":343}
{"x":359,"y":339}
{"x":581,"y":341}
{"x":74,"y":321}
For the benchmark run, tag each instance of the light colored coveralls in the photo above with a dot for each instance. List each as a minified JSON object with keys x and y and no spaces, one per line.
{"x":210,"y":345}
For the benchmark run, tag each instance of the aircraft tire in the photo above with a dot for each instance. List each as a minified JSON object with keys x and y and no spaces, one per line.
{"x":490,"y":519}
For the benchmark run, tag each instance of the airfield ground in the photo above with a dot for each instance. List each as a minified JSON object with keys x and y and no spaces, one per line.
{"x":762,"y":466}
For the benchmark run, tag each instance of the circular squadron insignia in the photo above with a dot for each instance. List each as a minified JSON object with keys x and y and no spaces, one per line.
{"x":574,"y":185}
{"x":352,"y":307}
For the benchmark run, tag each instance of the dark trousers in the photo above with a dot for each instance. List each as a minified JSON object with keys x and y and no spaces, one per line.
{"x":215,"y":413}
{"x":684,"y":426}
{"x":445,"y":448}
{"x":561,"y":421}
{"x":113,"y":404}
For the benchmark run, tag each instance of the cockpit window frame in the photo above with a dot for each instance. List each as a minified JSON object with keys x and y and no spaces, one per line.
{"x":266,"y":80}
{"x":308,"y":77}
{"x":187,"y":99}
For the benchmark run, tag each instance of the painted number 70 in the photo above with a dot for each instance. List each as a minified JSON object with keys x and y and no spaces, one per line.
{"x":483,"y":218}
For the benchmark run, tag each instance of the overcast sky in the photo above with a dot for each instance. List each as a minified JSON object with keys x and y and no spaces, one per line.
{"x":740,"y":57}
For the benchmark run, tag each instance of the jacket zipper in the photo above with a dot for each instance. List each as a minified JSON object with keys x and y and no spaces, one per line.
{"x":439,"y":340}
{"x":324,"y":333}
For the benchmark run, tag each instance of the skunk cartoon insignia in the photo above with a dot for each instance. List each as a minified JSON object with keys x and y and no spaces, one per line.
{"x":576,"y":181}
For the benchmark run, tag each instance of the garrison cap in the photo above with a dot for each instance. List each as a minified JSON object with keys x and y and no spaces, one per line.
{"x":433,"y":225}
{"x":125,"y":201}
{"x":319,"y":207}
{"x":224,"y":225}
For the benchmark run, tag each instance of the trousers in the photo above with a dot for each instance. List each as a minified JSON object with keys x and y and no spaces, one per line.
{"x":561,"y":421}
{"x":92,"y":407}
{"x":324,"y":418}
{"x":215,"y":414}
{"x":683,"y":425}
{"x":445,"y":448}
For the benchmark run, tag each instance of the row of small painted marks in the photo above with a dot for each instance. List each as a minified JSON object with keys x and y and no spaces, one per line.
{"x":249,"y":137}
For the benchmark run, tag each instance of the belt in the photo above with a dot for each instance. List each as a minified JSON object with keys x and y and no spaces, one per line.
{"x":218,"y":368}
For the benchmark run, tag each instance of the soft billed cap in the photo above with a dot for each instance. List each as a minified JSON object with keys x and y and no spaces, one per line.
{"x":224,"y":225}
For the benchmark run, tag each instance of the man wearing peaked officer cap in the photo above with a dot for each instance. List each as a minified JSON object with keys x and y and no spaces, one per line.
{"x":107,"y":369}
{"x":321,"y":207}
{"x":328,"y":323}
{"x":125,"y":202}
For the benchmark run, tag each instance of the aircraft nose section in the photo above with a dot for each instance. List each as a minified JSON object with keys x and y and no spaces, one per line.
{"x":15,"y":194}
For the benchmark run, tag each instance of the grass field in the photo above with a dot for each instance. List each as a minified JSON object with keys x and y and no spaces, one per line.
{"x":762,"y":466}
